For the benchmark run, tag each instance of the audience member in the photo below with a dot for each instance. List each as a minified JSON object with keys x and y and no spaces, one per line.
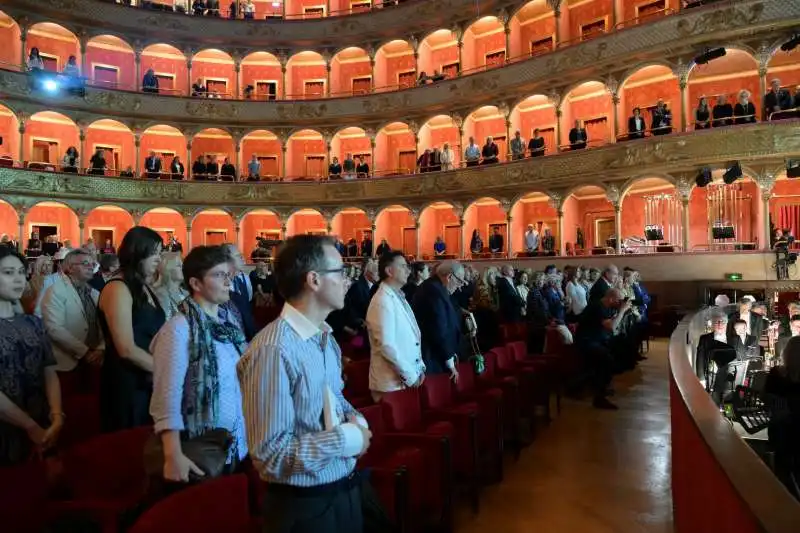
{"x":383,"y":248}
{"x":241,"y":297}
{"x":744,"y":111}
{"x":366,"y":245}
{"x":489,"y":152}
{"x":662,"y":119}
{"x":475,"y":242}
{"x":447,"y":157}
{"x":755,"y":323}
{"x":472,"y":154}
{"x":436,"y":160}
{"x":34,"y":62}
{"x":517,"y":147}
{"x":793,"y":330}
{"x":777,"y":99}
{"x":152,"y":165}
{"x":349,"y":167}
{"x":536,"y":144}
{"x":198,"y":89}
{"x":176,"y":168}
{"x":636,"y":125}
{"x":362,"y":168}
{"x":531,"y":239}
{"x":150,"y":82}
{"x":424,"y":161}
{"x":702,"y":115}
{"x":577,"y":136}
{"x":496,"y":241}
{"x":169,"y":284}
{"x":335,"y":169}
{"x":745,"y":345}
{"x":439,"y":247}
{"x":609,"y":278}
{"x":199,"y":169}
{"x":510,"y":303}
{"x":537,"y":312}
{"x":521,"y":283}
{"x":722,"y":112}
{"x":212,"y":167}
{"x":97,"y":163}
{"x":254,"y":169}
{"x":72,"y":161}
{"x":419,"y":273}
{"x":782,"y":393}
{"x":109,"y":264}
{"x":358,"y":296}
{"x":228,"y":171}
{"x":575,"y":293}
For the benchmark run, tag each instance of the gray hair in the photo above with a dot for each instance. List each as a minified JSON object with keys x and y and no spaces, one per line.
{"x":75,"y":253}
{"x":718,"y":315}
{"x":450,"y":266}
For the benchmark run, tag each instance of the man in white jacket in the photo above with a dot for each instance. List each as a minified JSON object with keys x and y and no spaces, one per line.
{"x":396,"y":355}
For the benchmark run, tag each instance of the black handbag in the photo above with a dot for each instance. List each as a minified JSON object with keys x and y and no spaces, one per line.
{"x":208,"y":451}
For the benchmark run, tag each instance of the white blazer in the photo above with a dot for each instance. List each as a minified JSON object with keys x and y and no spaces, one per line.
{"x":396,"y":357}
{"x":65,"y":322}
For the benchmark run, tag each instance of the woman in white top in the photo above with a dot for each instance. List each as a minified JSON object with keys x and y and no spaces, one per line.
{"x":168,"y":286}
{"x":575,"y":293}
{"x":447,"y":157}
{"x":35,"y":60}
{"x":522,"y":288}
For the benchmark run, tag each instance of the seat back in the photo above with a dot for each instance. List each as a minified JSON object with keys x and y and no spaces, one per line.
{"x":518,"y":350}
{"x":466,"y":378}
{"x":505,"y":360}
{"x":554,"y":342}
{"x":23,"y":496}
{"x":402,"y":410}
{"x":490,"y":365}
{"x":437,"y":392}
{"x":357,"y":374}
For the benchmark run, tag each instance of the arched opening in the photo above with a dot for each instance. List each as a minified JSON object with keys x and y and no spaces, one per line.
{"x":586,"y":108}
{"x":351,"y":73}
{"x":644,"y":89}
{"x":536,"y":209}
{"x":352,"y":143}
{"x":107,"y":224}
{"x":53,"y":221}
{"x":306,"y":222}
{"x":784,"y":206}
{"x":261,"y":71}
{"x":11,"y":52}
{"x":9,"y":224}
{"x":305,"y":9}
{"x":169,"y":66}
{"x":652,"y":217}
{"x":352,"y":223}
{"x":216,"y":148}
{"x":585,"y":20}
{"x":439,"y":131}
{"x":55,"y":43}
{"x":395,"y":223}
{"x":485,"y":122}
{"x":213,"y":227}
{"x":484,"y":45}
{"x":439,"y":220}
{"x":213,"y":69}
{"x":438,"y":54}
{"x":259,"y":223}
{"x":481,"y":218}
{"x":536,"y":112}
{"x":306,"y":76}
{"x":349,"y":7}
{"x":9,"y":131}
{"x":721,"y":80}
{"x":164,"y":142}
{"x":266,"y":147}
{"x":115,"y":141}
{"x":110,"y":63}
{"x":395,"y":150}
{"x":47,"y":137}
{"x":164,"y":221}
{"x":720,"y":210}
{"x":394,"y":66}
{"x":306,"y":155}
{"x":783,"y":73}
{"x":589,"y":220}
{"x":533,"y":30}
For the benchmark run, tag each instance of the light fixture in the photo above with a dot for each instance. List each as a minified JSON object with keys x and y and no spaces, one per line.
{"x":710,"y":55}
{"x":50,"y":85}
{"x":703,"y":177}
{"x":733,"y":173}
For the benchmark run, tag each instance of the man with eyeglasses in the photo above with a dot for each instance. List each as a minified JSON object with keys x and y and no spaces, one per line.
{"x":69,"y":312}
{"x":438,"y":319}
{"x":303,"y":436}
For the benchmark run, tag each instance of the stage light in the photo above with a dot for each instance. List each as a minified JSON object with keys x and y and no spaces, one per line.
{"x":792,"y":43}
{"x":703,"y":178}
{"x":50,"y":86}
{"x":733,"y":173}
{"x":710,"y":55}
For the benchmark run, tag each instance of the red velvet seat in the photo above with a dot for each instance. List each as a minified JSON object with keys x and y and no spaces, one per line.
{"x":533,"y":390}
{"x":83,"y":415}
{"x":23,"y":493}
{"x":214,"y":506}
{"x":356,"y":388}
{"x":548,"y":365}
{"x":512,"y":408}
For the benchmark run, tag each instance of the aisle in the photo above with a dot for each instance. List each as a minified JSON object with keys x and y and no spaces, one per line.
{"x":591,"y":471}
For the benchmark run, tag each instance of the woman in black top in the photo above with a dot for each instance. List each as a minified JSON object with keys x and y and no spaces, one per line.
{"x":130,"y":317}
{"x":362,"y":169}
{"x":536,"y":144}
{"x":744,"y":111}
{"x":701,"y":115}
{"x":722,"y":112}
{"x":97,"y":164}
{"x":71,"y":160}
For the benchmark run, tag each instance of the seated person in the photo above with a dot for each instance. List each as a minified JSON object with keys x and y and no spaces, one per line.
{"x":150,"y":82}
{"x":127,"y":173}
{"x":744,"y":112}
{"x":423,"y":78}
{"x":335,"y":169}
{"x":437,"y":76}
{"x":212,"y":167}
{"x":710,"y":343}
{"x":662,"y":119}
{"x":636,"y":125}
{"x":439,"y":247}
{"x":536,"y":145}
{"x":199,"y":169}
{"x":362,"y":168}
{"x":228,"y":171}
{"x":722,"y":113}
{"x":701,"y":115}
{"x":577,"y":136}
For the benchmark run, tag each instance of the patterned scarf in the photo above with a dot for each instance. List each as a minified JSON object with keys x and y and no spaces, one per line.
{"x":201,"y":389}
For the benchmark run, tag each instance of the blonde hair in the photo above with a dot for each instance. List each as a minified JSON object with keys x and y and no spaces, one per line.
{"x":168,"y":260}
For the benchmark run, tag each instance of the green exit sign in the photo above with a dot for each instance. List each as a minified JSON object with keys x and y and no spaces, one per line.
{"x":733,"y":276}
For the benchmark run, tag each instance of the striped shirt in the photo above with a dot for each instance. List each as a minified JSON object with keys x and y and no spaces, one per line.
{"x":295,"y":414}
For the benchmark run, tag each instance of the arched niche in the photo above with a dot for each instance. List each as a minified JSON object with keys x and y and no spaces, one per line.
{"x":55,"y":43}
{"x":164,"y":220}
{"x":587,"y":211}
{"x":11,"y":52}
{"x":784,"y":204}
{"x":394,"y":66}
{"x":722,"y":79}
{"x":735,"y":204}
{"x":214,"y":70}
{"x":439,"y":220}
{"x":216,"y":144}
{"x":536,"y":209}
{"x":351,"y":72}
{"x":169,"y":65}
{"x":9,"y":222}
{"x":395,"y":150}
{"x":396,"y":224}
{"x":107,"y":222}
{"x":349,"y":7}
{"x":306,"y":155}
{"x":643,"y":89}
{"x":53,"y":218}
{"x":535,"y":112}
{"x":653,"y":202}
{"x":213,"y":227}
{"x":484,"y":45}
{"x":351,"y":223}
{"x":304,"y":9}
{"x":116,"y":142}
{"x":533,"y":30}
{"x":589,"y":103}
{"x":483,"y":215}
{"x":9,"y":131}
{"x":634,"y":13}
{"x":488,"y":121}
{"x":262,"y":72}
{"x":306,"y":222}
{"x":439,"y":130}
{"x":438,"y":53}
{"x":306,"y":76}
{"x":259,"y":223}
{"x":47,"y":137}
{"x":784,"y":67}
{"x":110,"y":63}
{"x":166,"y":142}
{"x":266,"y":146}
{"x":352,"y":141}
{"x":586,"y":20}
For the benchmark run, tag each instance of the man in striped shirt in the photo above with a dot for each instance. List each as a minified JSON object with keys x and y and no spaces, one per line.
{"x":303,"y":436}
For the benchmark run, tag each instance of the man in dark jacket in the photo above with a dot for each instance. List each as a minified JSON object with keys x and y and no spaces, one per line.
{"x":604,"y":282}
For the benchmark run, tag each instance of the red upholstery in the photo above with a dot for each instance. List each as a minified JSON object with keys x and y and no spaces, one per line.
{"x":490,"y":415}
{"x":509,"y":385}
{"x":23,"y":493}
{"x":213,"y":506}
{"x":357,"y":385}
{"x":83,"y":413}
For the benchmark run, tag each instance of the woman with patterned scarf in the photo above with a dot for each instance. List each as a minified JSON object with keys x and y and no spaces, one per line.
{"x":195,"y":387}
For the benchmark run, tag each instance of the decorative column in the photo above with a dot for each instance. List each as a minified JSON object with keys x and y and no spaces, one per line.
{"x":23,"y":39}
{"x":560,"y":228}
{"x":559,"y":114}
{"x":189,"y":76}
{"x":83,"y":153}
{"x":283,"y":231}
{"x":238,"y":229}
{"x":22,"y":141}
{"x":509,"y":233}
{"x":414,"y":127}
{"x":618,"y":226}
{"x":137,"y":142}
{"x":283,"y":158}
{"x":326,"y":55}
{"x":614,"y":111}
{"x":137,"y":68}
{"x":415,"y":46}
{"x":682,"y":73}
{"x":461,"y":251}
{"x":556,"y":6}
{"x":21,"y":234}
{"x":417,"y":256}
{"x":188,"y":236}
{"x":371,"y":53}
{"x":84,"y":67}
{"x":237,"y":67}
{"x":239,"y":163}
{"x":763,"y":56}
{"x":765,"y":181}
{"x":326,"y":135}
{"x":686,"y":227}
{"x":458,"y":32}
{"x":507,"y":31}
{"x":372,"y":141}
{"x":81,"y":230}
{"x":373,"y":229}
{"x":188,"y":164}
{"x":283,"y":57}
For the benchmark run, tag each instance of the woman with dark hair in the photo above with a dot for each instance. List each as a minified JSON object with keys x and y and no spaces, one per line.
{"x":195,"y":388}
{"x":130,"y":316}
{"x":35,"y":62}
{"x":72,"y":160}
{"x":476,"y":243}
{"x":30,"y":396}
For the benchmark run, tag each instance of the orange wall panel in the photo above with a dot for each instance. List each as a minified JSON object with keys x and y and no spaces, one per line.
{"x":432,"y":225}
{"x":396,"y":65}
{"x":207,"y":145}
{"x":255,"y":223}
{"x":350,"y":225}
{"x":388,"y":148}
{"x":9,"y":222}
{"x":124,"y":61}
{"x":53,"y":47}
{"x":121,"y":140}
{"x":299,"y":74}
{"x":588,"y":13}
{"x":533,"y":31}
{"x":170,"y":143}
{"x":484,"y":128}
{"x":262,"y":148}
{"x":118,"y":221}
{"x":10,"y":52}
{"x":209,"y":221}
{"x":251,"y":73}
{"x":65,"y":134}
{"x":219,"y":71}
{"x":166,"y":65}
{"x":342,"y":75}
{"x":296,"y":155}
{"x":488,"y":44}
{"x":299,"y":224}
{"x":162,"y":222}
{"x":390,"y":224}
{"x":355,"y":145}
{"x":9,"y":130}
{"x":628,"y":10}
{"x":60,"y":216}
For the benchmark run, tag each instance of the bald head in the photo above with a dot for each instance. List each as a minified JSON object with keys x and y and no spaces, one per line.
{"x":613,"y":297}
{"x":451,"y":274}
{"x":611,"y":273}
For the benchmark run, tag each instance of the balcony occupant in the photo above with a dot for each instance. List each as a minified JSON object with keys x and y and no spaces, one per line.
{"x":228,"y":171}
{"x":489,"y":152}
{"x":366,"y":245}
{"x":496,"y":241}
{"x":254,"y":169}
{"x":199,"y":169}
{"x":97,"y":164}
{"x":212,"y":167}
{"x":636,"y":125}
{"x":362,"y":168}
{"x":662,"y":119}
{"x":517,"y":147}
{"x":577,"y":136}
{"x":249,"y":10}
{"x":472,"y":155}
{"x":173,"y":244}
{"x":437,"y":76}
{"x":424,"y":161}
{"x":701,"y":115}
{"x":439,"y":247}
{"x":152,"y":166}
{"x":72,"y":160}
{"x":150,"y":82}
{"x":777,"y":99}
{"x":476,"y":243}
{"x":423,"y":79}
{"x":127,"y":173}
{"x":722,"y":112}
{"x":448,"y":157}
{"x":176,"y":168}
{"x":744,"y":112}
{"x":531,"y":239}
{"x":199,"y":8}
{"x":72,"y":76}
{"x":35,"y":62}
{"x":436,"y":160}
{"x":335,"y":169}
{"x":536,"y":145}
{"x":212,"y":8}
{"x":383,"y":248}
{"x":349,"y":167}
{"x":198,"y":89}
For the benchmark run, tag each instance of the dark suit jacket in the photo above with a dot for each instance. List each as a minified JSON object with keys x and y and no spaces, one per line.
{"x":633,"y":131}
{"x":599,"y":289}
{"x":783,"y":340}
{"x":152,"y":164}
{"x":741,"y":347}
{"x":176,"y":168}
{"x":708,"y":349}
{"x":509,"y":300}
{"x":578,"y":137}
{"x":757,"y":324}
{"x":439,"y":323}
{"x":496,"y":243}
{"x":366,"y":247}
{"x":357,"y":301}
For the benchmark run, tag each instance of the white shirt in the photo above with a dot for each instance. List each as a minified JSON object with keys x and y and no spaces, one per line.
{"x":721,"y":337}
{"x":531,"y":240}
{"x":576,"y":297}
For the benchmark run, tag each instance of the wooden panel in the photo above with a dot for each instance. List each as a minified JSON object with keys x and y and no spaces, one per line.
{"x":105,"y":76}
{"x":315,"y":166}
{"x":410,"y":241}
{"x":407,"y":161}
{"x":452,"y":239}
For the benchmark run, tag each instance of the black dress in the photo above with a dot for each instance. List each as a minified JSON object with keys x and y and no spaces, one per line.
{"x":125,"y":388}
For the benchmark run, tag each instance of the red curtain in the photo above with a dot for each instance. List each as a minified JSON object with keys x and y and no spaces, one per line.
{"x":789,"y":217}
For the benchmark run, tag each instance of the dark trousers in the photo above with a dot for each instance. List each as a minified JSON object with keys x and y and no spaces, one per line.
{"x":334,"y":508}
{"x":600,"y":363}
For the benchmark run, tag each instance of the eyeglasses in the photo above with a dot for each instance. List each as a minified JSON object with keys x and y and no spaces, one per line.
{"x":222,"y":274}
{"x":341,"y":271}
{"x":86,"y":264}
